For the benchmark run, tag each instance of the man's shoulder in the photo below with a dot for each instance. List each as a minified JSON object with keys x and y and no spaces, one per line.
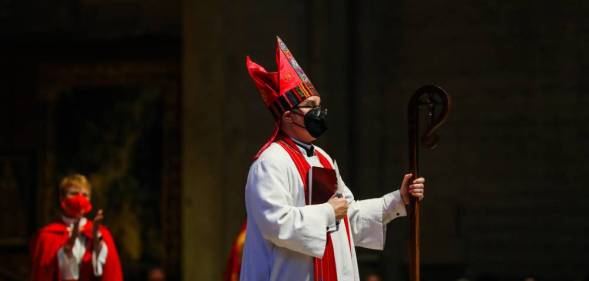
{"x":275,"y":153}
{"x":272,"y":161}
{"x":275,"y":156}
{"x":56,"y":227}
{"x":49,"y":235}
{"x":105,"y":231}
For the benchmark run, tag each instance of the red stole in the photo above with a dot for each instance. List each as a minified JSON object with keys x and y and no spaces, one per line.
{"x":233,"y":265}
{"x":324,"y":269}
{"x":52,"y":237}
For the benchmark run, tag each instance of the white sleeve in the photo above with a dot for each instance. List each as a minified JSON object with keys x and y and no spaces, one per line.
{"x":368,"y":218}
{"x":69,"y":266}
{"x":99,"y":260}
{"x":270,"y":204}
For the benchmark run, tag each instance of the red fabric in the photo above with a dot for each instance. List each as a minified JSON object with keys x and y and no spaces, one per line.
{"x":265,"y":81}
{"x":47,"y":242}
{"x":324,"y":269}
{"x":271,"y":85}
{"x":233,"y":266}
{"x":287,"y":76}
{"x":299,"y":161}
{"x":326,"y":164}
{"x":275,"y":134}
{"x":77,"y":205}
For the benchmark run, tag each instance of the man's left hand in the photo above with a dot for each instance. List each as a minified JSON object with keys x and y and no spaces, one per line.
{"x":416,"y":188}
{"x":96,"y":230}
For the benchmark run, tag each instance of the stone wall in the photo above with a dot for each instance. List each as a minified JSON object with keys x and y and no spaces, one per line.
{"x":510,"y":153}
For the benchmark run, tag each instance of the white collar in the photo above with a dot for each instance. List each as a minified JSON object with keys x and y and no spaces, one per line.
{"x":70,"y":221}
{"x":305,"y":145}
{"x":306,"y":148}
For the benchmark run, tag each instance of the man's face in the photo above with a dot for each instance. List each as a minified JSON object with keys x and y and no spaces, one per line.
{"x":156,"y":274}
{"x":74,"y":190}
{"x":297,"y":117}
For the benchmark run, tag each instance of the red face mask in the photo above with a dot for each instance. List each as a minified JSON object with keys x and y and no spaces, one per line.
{"x":75,"y":206}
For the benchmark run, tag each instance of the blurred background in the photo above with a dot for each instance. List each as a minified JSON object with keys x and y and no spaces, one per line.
{"x":152,"y":101}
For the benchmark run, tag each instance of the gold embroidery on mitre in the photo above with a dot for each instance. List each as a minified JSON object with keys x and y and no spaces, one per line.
{"x":287,"y":76}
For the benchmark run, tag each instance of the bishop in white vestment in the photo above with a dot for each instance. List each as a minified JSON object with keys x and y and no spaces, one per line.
{"x":286,"y":238}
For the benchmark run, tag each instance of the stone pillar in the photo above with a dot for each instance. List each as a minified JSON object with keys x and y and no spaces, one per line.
{"x":202,"y":151}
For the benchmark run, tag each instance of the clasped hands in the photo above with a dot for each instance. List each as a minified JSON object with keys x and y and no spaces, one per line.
{"x":75,"y":232}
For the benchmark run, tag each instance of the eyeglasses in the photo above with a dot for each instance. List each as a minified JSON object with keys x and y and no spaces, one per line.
{"x":307,"y":106}
{"x":300,"y":112}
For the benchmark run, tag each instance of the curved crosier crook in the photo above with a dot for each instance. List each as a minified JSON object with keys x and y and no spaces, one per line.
{"x":432,"y":97}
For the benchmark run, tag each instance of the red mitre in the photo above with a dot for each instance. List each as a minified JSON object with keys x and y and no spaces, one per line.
{"x":282,"y":90}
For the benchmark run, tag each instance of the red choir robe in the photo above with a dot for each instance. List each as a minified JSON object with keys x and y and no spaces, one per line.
{"x":47,"y":242}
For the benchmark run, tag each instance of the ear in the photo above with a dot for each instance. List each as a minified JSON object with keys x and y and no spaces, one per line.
{"x":287,"y":117}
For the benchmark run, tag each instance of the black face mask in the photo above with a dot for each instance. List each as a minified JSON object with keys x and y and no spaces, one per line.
{"x":315,"y":121}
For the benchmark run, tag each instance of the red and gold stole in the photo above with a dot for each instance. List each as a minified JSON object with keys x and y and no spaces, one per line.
{"x":324,"y":269}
